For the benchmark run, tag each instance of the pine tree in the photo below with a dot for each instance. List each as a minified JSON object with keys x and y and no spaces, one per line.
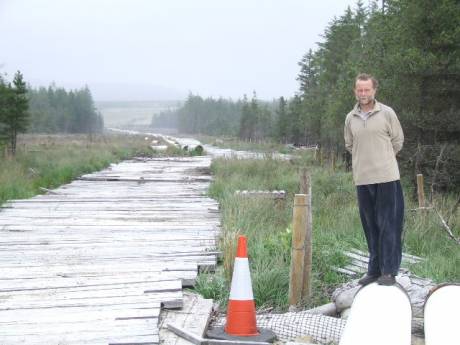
{"x":282,"y":121}
{"x":307,"y":75}
{"x":15,"y":116}
{"x":296,"y":125}
{"x":5,"y":104}
{"x":246,"y":122}
{"x":423,"y":43}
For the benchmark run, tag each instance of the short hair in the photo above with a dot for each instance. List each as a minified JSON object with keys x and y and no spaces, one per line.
{"x":364,"y":76}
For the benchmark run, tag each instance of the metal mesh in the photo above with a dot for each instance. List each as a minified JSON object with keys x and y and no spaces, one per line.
{"x":288,"y":326}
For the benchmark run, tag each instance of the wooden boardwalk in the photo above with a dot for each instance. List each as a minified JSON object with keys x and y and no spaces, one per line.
{"x":94,"y":261}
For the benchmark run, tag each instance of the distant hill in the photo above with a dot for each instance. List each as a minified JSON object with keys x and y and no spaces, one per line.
{"x":133,"y":114}
{"x":133,"y":92}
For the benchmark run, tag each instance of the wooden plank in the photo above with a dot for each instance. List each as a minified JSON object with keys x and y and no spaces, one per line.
{"x":92,"y":262}
{"x":357,"y":270}
{"x":109,"y":332}
{"x":147,"y":179}
{"x":66,"y":315}
{"x":344,"y":271}
{"x":29,"y":282}
{"x":360,"y":259}
{"x":194,"y":317}
{"x":119,"y":294}
{"x":80,"y":325}
{"x":412,"y":259}
{"x":64,"y":282}
{"x":118,"y":206}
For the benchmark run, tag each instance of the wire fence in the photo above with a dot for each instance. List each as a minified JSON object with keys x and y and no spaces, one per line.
{"x":289,"y":326}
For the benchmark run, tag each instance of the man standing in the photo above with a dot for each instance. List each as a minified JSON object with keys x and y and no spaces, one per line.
{"x":373,"y":136}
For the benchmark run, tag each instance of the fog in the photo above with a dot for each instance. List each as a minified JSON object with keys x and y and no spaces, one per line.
{"x":160,"y":50}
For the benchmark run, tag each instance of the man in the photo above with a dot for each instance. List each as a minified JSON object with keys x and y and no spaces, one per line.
{"x":373,"y":136}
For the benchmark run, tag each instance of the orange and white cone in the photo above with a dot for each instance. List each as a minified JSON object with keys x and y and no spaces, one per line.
{"x":241,"y":311}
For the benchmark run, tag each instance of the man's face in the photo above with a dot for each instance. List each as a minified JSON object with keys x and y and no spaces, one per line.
{"x":364,"y":92}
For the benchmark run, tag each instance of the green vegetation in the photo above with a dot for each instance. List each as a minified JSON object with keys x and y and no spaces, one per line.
{"x":425,"y":236}
{"x":47,"y":161}
{"x":45,"y":110}
{"x":412,"y":47}
{"x":55,"y":110}
{"x":263,"y":146}
{"x":198,"y":115}
{"x":336,"y":227}
{"x":14,"y":117}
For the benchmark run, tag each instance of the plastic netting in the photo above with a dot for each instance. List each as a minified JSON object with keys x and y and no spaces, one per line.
{"x":289,"y":326}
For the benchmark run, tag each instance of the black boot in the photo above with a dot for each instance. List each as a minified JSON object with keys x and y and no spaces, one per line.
{"x":367,"y":279}
{"x":387,"y":280}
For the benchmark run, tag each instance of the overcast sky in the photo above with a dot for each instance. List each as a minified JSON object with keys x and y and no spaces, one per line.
{"x":163,"y":48}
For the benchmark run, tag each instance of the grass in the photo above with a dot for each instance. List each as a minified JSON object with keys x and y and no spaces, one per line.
{"x":425,"y":236}
{"x":48,"y":161}
{"x":264,"y":146}
{"x":266,"y":222}
{"x":336,"y":227}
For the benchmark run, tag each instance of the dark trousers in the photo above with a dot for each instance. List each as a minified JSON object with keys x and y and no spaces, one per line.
{"x":381,"y":208}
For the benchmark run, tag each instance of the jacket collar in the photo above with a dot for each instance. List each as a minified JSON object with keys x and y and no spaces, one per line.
{"x":377,"y":108}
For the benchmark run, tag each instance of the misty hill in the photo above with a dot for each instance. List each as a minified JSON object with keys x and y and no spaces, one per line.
{"x":133,"y":92}
{"x":133,"y":114}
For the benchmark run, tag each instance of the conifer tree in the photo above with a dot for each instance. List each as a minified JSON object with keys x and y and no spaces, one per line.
{"x":246,"y":122}
{"x":14,"y":116}
{"x":282,"y":121}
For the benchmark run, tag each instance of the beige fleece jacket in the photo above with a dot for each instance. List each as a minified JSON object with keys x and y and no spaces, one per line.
{"x":373,"y":144}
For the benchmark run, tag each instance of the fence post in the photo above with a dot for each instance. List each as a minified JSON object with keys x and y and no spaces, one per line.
{"x":299,"y":221}
{"x":420,"y":191}
{"x":306,"y":288}
{"x":300,"y":274}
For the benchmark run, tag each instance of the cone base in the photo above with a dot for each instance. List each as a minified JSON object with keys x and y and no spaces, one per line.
{"x":241,"y":318}
{"x":265,"y":335}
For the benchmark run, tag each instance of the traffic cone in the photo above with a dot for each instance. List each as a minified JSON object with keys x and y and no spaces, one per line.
{"x":241,"y":311}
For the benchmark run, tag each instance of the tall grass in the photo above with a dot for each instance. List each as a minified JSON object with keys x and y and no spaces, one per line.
{"x":47,"y":161}
{"x":243,"y":145}
{"x":336,"y":227}
{"x":426,"y":237}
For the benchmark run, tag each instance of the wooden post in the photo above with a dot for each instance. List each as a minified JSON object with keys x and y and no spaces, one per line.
{"x":304,"y":181}
{"x":420,"y":191}
{"x":299,"y":282}
{"x":299,"y":228}
{"x":306,"y":288}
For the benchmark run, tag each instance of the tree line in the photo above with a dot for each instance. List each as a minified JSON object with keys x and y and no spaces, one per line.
{"x":44,"y":110}
{"x":411,"y":47}
{"x":249,"y":119}
{"x":56,"y":110}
